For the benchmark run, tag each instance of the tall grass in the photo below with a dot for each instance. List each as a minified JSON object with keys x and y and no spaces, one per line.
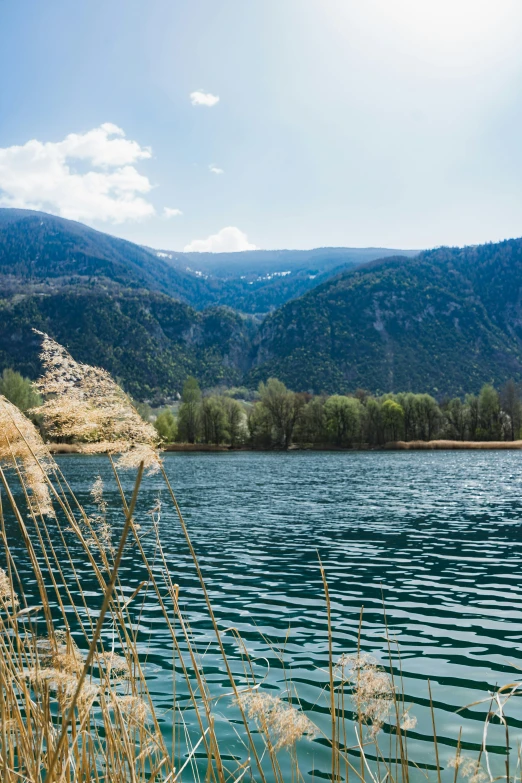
{"x":77,"y":707}
{"x":452,"y":445}
{"x":75,"y":693}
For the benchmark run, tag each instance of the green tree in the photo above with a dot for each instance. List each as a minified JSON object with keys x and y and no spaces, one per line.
{"x":472,"y":407}
{"x":490,"y":427}
{"x":165,"y":425}
{"x":19,"y":390}
{"x":284,"y":408}
{"x":457,"y":418}
{"x":409,"y":403}
{"x":510,"y":400}
{"x":259,"y":424}
{"x":188,"y":417}
{"x":235,"y":420}
{"x":343,"y":419}
{"x":372,"y":422}
{"x":429,"y":416}
{"x":392,"y":418}
{"x":213,"y":420}
{"x":312,"y":423}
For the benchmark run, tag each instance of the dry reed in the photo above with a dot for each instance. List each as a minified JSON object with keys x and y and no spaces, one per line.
{"x":453,"y":445}
{"x":21,"y":442}
{"x":85,"y":404}
{"x":75,"y":707}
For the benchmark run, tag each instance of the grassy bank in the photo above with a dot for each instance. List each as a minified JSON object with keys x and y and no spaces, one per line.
{"x":426,"y":445}
{"x":401,"y":445}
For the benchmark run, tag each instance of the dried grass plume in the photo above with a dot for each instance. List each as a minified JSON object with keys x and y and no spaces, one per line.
{"x":22,"y":446}
{"x":372,"y":690}
{"x":281,"y":720}
{"x":83,"y":403}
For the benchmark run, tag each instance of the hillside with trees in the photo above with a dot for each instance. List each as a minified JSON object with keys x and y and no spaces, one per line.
{"x":41,"y":253}
{"x":148,"y":341}
{"x":446,"y":322}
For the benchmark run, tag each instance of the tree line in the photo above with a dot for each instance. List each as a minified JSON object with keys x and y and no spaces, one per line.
{"x":280,"y":418}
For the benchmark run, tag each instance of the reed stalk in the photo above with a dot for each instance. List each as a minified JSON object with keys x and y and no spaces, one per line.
{"x":75,"y":688}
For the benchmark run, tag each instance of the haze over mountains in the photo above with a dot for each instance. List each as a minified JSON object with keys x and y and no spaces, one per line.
{"x":50,"y":252}
{"x":258,"y":281}
{"x":443,"y":321}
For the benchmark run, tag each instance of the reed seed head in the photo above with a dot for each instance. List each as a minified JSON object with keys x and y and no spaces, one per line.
{"x":408,"y":722}
{"x":372,"y":690}
{"x":115,"y":665}
{"x":7,"y":594}
{"x":22,"y":445}
{"x":65,"y":685}
{"x":284,"y":722}
{"x":469,"y":768}
{"x":133,"y":709}
{"x":97,"y":494}
{"x":85,"y":404}
{"x":99,"y":525}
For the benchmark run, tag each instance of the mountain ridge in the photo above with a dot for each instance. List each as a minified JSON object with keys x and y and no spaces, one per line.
{"x":430,"y":323}
{"x":444,"y":321}
{"x":49,"y":252}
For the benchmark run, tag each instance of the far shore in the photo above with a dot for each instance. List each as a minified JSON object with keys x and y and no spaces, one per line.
{"x":449,"y":445}
{"x":400,"y":445}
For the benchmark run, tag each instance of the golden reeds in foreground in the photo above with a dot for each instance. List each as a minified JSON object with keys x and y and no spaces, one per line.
{"x":85,"y":404}
{"x":75,"y":705}
{"x":22,"y":446}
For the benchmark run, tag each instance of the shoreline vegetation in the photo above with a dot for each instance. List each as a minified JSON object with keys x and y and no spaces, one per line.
{"x":76,"y":701}
{"x":401,"y":445}
{"x":275,"y":418}
{"x":272,"y":417}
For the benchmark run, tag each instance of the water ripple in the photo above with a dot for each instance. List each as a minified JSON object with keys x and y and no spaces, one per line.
{"x":437,"y":534}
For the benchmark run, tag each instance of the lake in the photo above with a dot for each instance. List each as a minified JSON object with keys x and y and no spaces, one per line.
{"x":436,"y":534}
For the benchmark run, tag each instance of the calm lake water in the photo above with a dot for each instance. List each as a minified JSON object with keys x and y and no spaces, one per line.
{"x":437,"y":534}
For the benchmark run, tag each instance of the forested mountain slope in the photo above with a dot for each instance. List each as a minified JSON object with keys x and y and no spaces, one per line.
{"x":148,"y":341}
{"x":41,"y":253}
{"x":444,"y":322}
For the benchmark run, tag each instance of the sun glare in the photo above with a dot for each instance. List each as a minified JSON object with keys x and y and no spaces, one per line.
{"x":442,"y":31}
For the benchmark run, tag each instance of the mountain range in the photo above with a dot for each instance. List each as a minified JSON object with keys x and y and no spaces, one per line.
{"x":326,"y":320}
{"x":48,"y":253}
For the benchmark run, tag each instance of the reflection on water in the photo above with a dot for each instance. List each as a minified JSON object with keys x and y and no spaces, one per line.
{"x":437,"y":534}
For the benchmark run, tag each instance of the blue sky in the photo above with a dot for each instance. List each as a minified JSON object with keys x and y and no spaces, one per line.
{"x":339,"y":122}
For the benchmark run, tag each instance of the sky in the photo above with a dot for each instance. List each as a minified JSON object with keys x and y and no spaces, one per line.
{"x":233,"y":124}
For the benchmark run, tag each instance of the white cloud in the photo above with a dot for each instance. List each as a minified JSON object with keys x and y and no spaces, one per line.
{"x":169,"y":212}
{"x":200,"y":98}
{"x":228,"y":240}
{"x":216,"y":169}
{"x":40,"y":175}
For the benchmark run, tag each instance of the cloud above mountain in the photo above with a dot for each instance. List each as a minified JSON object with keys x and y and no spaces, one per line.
{"x":86,"y":176}
{"x":200,"y":98}
{"x":228,"y":240}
